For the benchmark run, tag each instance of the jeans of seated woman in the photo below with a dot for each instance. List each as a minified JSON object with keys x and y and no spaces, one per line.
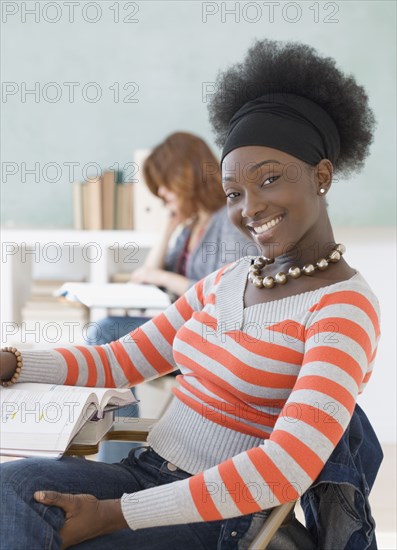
{"x":342,"y":523}
{"x":24,"y":523}
{"x":27,"y":524}
{"x":102,"y":332}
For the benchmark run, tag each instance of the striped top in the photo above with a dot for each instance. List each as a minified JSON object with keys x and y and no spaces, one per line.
{"x":265,"y":393}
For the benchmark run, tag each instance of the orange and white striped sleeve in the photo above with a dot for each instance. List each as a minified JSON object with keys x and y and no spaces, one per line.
{"x":143,"y":354}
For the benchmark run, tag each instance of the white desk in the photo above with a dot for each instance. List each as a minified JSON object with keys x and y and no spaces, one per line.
{"x":21,"y":248}
{"x":116,"y":295}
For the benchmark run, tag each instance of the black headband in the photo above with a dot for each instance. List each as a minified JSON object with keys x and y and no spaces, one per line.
{"x":288,"y":122}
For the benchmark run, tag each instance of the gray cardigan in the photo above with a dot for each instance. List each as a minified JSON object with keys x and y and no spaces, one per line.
{"x":221,"y":244}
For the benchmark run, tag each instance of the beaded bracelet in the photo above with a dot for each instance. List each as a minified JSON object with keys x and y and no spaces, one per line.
{"x":17,"y":372}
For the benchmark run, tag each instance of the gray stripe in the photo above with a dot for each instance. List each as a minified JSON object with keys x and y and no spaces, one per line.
{"x":194,"y":443}
{"x":309,"y":435}
{"x":319,"y":400}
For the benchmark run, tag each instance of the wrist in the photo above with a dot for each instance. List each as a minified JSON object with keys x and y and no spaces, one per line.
{"x":162,"y":278}
{"x":11,"y":365}
{"x":111,"y":516}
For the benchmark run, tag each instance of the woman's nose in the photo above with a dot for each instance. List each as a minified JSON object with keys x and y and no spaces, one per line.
{"x":252,"y":207}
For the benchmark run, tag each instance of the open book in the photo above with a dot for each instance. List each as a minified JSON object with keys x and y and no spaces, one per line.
{"x":43,"y":419}
{"x":115,"y":295}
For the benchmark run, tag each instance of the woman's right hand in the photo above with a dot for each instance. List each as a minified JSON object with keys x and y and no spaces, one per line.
{"x":8,"y":364}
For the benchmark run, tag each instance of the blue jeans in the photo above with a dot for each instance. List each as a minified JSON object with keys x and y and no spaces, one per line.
{"x":105,"y":331}
{"x":112,"y":328}
{"x":26,"y":524}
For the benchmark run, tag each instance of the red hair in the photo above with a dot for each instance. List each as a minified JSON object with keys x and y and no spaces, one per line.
{"x":184,"y":164}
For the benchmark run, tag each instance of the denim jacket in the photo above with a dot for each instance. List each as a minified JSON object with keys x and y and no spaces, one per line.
{"x":336,"y":507}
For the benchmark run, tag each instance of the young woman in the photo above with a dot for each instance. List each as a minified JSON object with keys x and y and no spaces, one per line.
{"x":185,"y":174}
{"x":273,"y":354}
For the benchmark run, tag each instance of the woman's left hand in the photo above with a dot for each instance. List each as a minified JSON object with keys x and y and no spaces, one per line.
{"x":148,"y":275}
{"x":86,"y":517}
{"x":173,"y":282}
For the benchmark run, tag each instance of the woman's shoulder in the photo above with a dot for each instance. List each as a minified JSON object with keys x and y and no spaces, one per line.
{"x":355,"y":280}
{"x":355,"y":290}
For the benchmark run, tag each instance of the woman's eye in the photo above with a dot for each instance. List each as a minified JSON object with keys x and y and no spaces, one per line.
{"x":232,"y":195}
{"x":271,"y":179}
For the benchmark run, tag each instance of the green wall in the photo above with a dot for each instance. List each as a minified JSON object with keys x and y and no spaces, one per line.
{"x":171,"y":49}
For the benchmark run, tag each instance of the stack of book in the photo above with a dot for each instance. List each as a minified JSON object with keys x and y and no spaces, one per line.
{"x":103,"y":202}
{"x":47,"y":319}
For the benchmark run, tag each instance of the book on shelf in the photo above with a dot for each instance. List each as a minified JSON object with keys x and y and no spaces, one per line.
{"x":92,"y":203}
{"x":108,"y":199}
{"x":43,"y":305}
{"x":44,"y":419}
{"x":104,"y":202}
{"x":40,"y":311}
{"x":49,"y":320}
{"x":44,"y":288}
{"x":124,"y":209}
{"x":121,"y":277}
{"x":86,"y":205}
{"x":78,"y":220}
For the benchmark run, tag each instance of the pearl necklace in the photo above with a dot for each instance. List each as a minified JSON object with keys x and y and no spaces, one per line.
{"x":255,"y":277}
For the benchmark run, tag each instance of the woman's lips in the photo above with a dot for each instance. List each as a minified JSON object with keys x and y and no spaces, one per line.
{"x":266,"y":229}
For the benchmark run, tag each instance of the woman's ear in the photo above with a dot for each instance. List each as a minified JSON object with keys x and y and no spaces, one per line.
{"x":324,"y":172}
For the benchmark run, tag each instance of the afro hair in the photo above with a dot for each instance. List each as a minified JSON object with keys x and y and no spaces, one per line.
{"x":290,"y":67}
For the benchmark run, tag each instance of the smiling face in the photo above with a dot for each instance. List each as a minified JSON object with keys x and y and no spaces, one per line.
{"x":273,"y":198}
